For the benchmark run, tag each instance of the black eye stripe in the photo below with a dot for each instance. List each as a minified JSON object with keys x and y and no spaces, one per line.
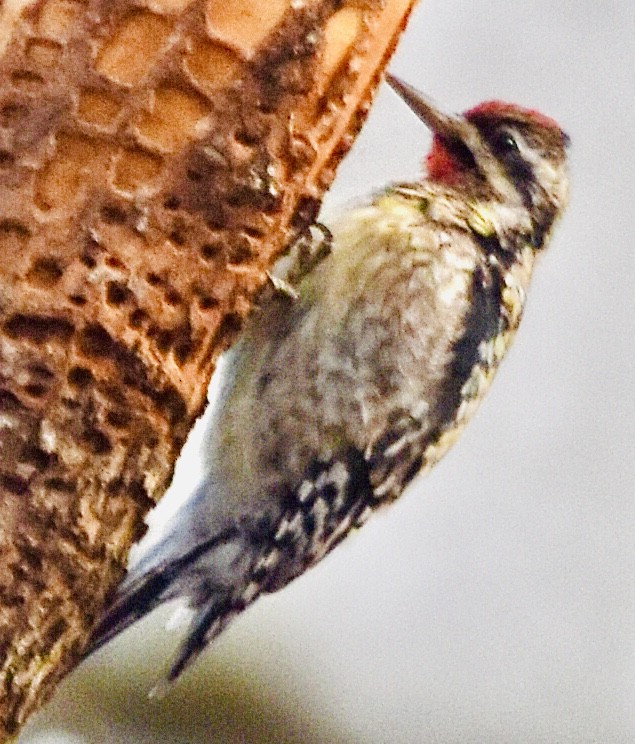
{"x":521,"y":174}
{"x":461,"y":152}
{"x":519,"y":170}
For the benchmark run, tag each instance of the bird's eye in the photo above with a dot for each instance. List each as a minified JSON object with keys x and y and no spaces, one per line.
{"x":506,"y":143}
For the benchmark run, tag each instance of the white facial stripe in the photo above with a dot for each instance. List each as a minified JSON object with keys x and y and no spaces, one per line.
{"x":543,"y":169}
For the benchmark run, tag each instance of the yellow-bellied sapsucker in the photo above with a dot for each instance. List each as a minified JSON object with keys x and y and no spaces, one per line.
{"x":361,"y":369}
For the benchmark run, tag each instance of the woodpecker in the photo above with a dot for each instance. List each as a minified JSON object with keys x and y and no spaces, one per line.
{"x":359,"y":368}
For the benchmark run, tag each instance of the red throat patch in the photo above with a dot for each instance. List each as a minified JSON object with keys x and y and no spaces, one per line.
{"x":441,"y":164}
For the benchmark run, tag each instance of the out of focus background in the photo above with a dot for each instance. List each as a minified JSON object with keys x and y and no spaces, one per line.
{"x":496,"y":601}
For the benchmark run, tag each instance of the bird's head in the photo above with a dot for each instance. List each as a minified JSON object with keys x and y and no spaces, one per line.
{"x":514,"y":153}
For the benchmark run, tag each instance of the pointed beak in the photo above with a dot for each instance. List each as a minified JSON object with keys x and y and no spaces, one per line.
{"x":450,"y":127}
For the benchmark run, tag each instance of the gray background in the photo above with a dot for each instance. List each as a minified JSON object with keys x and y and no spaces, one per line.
{"x":496,"y":601}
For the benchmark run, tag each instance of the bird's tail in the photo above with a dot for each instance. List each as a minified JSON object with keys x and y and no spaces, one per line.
{"x":195,"y":576}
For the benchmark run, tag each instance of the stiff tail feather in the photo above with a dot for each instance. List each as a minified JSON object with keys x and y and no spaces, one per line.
{"x":147,"y":588}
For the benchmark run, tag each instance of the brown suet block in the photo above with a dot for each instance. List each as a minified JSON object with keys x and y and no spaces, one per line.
{"x":155,"y":157}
